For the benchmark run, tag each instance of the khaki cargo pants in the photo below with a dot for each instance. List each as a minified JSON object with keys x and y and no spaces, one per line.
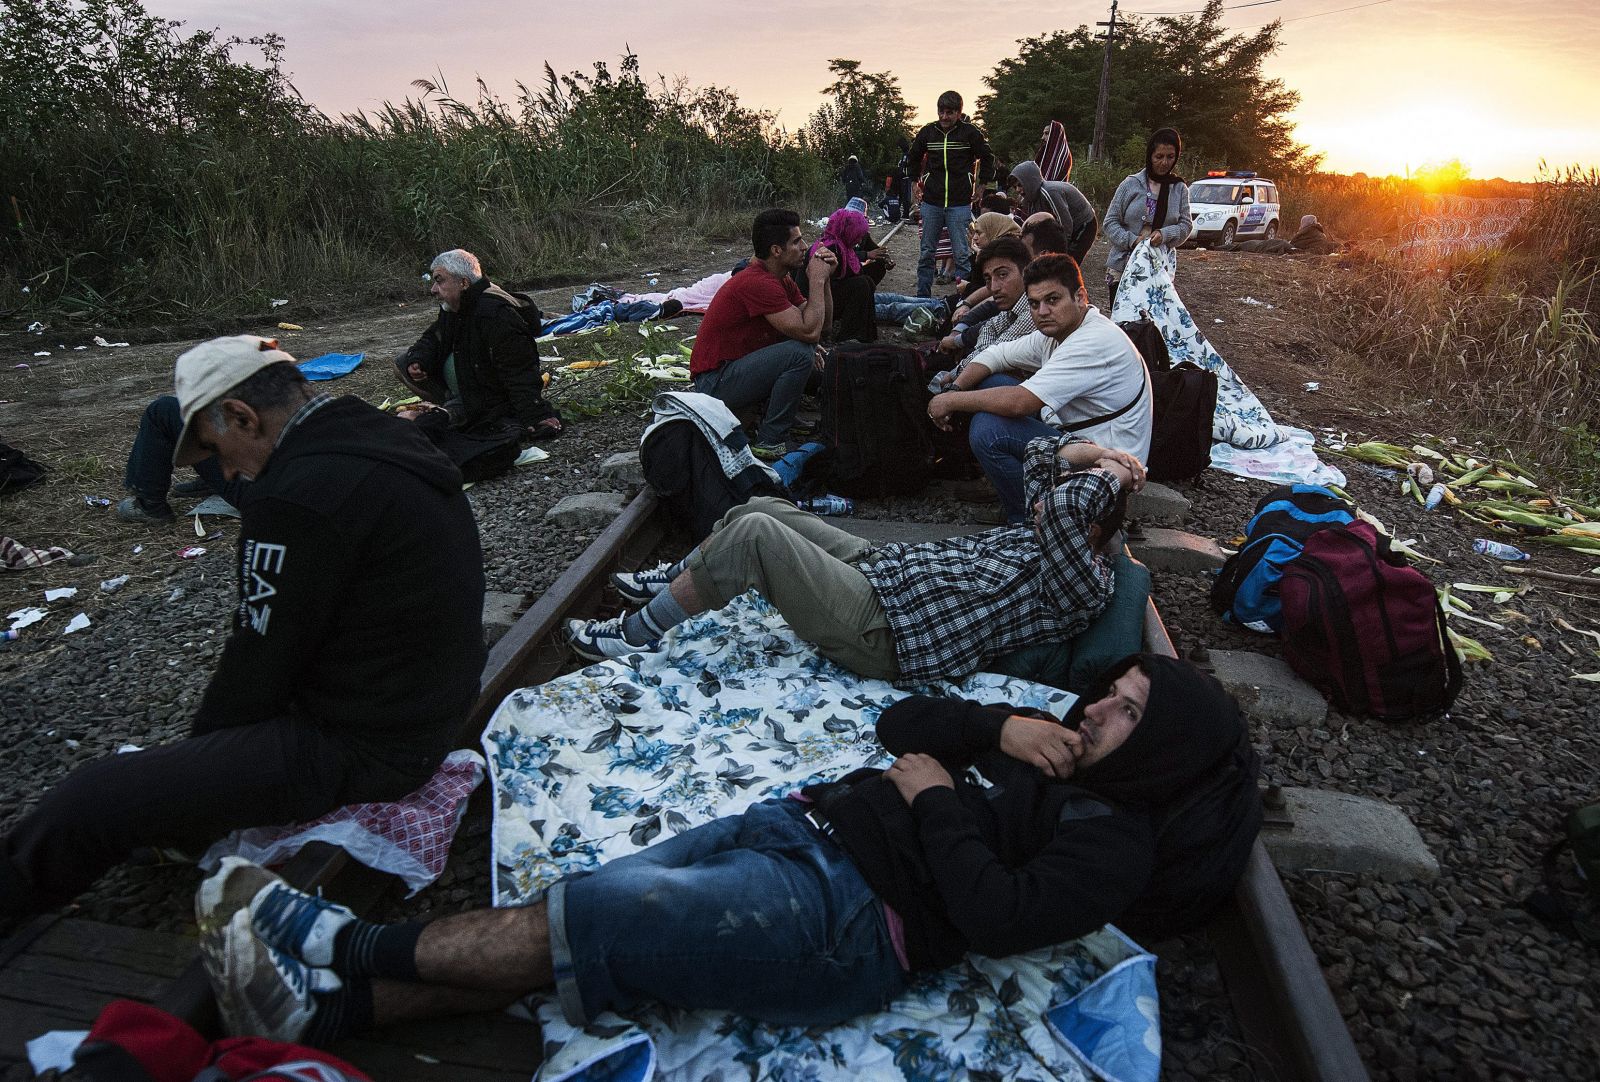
{"x":806,"y":568}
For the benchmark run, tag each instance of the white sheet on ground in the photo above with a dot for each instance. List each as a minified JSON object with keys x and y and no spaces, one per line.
{"x":732,"y":710}
{"x":1247,"y":441}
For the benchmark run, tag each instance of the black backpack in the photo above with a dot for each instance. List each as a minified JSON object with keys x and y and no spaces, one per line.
{"x":875,"y":421}
{"x":17,"y":470}
{"x":1183,"y":407}
{"x":687,"y":476}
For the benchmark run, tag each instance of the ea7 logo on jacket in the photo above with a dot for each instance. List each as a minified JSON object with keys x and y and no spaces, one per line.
{"x":262,"y":563}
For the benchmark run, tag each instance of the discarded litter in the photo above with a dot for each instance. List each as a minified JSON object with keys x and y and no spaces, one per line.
{"x":109,"y":345}
{"x":279,"y":303}
{"x":1313,"y":386}
{"x":128,"y":749}
{"x":111,"y":586}
{"x":175,"y":595}
{"x":290,"y":327}
{"x":532,"y":455}
{"x":96,"y":501}
{"x":61,"y":593}
{"x":73,"y":744}
{"x":77,"y":623}
{"x":36,"y":328}
{"x":25,"y":618}
{"x":191,"y":551}
{"x":1254,"y":302}
{"x":138,"y":549}
{"x":8,"y":635}
{"x":41,"y":353}
{"x":214,"y":505}
{"x":1499,"y":550}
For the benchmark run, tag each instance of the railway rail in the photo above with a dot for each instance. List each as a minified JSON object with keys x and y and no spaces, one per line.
{"x":1277,"y":989}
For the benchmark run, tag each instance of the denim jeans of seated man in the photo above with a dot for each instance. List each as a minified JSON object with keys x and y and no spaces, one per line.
{"x":776,"y":373}
{"x":896,"y":307}
{"x":935,"y":218}
{"x":756,"y":913}
{"x":1000,"y":444}
{"x":149,"y":471}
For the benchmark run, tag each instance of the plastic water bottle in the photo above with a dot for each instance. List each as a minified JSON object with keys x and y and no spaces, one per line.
{"x":8,"y":635}
{"x":1435,"y":496}
{"x":829,"y":505}
{"x":1499,"y":550}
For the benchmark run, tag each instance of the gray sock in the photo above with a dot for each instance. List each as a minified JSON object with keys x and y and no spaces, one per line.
{"x":682,"y":565}
{"x":654,"y":620}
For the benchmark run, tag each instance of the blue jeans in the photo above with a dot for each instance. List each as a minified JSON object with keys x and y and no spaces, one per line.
{"x":756,"y":913}
{"x":935,"y":218}
{"x":895,"y":307}
{"x":149,"y":471}
{"x":776,"y":373}
{"x":999,"y":444}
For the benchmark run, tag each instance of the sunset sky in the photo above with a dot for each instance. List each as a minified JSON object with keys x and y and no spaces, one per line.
{"x":1385,"y":86}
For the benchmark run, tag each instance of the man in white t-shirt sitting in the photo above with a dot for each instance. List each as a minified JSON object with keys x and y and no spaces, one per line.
{"x":1076,"y":373}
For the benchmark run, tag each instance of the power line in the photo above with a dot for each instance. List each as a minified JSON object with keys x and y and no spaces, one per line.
{"x":1335,"y":11}
{"x":1197,"y":11}
{"x":1263,"y":3}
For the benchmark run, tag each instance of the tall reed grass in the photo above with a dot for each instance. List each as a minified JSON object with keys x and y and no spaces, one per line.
{"x":1504,"y":341}
{"x":219,"y":200}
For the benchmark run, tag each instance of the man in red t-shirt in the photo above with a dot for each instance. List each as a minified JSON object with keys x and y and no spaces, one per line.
{"x":758,"y":339}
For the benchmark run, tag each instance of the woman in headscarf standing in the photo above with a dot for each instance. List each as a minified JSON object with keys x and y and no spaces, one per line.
{"x":1154,"y":203}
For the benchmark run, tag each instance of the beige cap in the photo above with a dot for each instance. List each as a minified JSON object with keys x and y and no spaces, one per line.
{"x":209,"y":371}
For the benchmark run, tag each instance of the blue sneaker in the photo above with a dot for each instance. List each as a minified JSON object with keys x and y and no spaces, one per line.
{"x":602,"y":640}
{"x":641,"y":587}
{"x":298,"y":924}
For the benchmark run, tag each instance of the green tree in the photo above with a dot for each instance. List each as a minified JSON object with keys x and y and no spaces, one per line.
{"x":867,"y":116}
{"x":1188,"y":71}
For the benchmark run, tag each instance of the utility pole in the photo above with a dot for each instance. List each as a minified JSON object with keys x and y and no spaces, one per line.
{"x":1097,"y":149}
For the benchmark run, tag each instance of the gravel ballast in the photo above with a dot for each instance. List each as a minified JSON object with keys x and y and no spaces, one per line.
{"x":1447,"y":979}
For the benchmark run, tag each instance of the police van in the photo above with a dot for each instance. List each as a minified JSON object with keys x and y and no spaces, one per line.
{"x":1229,"y":205}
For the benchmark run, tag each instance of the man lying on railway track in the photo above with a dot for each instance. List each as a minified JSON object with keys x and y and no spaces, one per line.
{"x":1078,"y":372}
{"x":356,"y":647}
{"x":992,"y":832}
{"x":904,"y":612}
{"x":478,"y":359}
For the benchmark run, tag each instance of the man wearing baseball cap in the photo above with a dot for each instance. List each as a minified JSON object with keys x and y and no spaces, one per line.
{"x":356,"y":645}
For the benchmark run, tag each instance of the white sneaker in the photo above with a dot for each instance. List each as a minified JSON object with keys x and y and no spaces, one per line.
{"x":602,"y":640}
{"x":641,"y":587}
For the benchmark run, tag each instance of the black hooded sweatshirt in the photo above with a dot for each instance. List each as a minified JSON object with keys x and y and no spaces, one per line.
{"x":497,"y":359}
{"x":1152,"y":837}
{"x":360,"y":592}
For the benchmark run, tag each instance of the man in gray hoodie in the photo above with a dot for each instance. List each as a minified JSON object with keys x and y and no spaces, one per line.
{"x":1060,"y":198}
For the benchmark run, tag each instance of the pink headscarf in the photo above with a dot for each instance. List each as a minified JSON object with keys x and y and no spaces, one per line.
{"x":845,"y":230}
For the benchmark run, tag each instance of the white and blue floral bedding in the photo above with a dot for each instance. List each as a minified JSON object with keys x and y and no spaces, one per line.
{"x":732,"y":710}
{"x":1246,"y":441}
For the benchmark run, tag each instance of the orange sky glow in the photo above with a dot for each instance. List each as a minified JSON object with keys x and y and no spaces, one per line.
{"x":1386,"y":87}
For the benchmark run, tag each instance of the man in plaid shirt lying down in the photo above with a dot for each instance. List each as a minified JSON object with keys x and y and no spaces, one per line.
{"x":903,"y":612}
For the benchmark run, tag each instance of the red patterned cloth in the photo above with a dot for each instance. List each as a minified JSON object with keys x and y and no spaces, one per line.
{"x":409,"y":838}
{"x":15,"y":556}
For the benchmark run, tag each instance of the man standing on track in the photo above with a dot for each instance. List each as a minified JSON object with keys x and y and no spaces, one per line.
{"x":944,"y":154}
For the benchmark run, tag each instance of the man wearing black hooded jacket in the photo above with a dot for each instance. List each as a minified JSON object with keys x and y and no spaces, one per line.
{"x":356,"y":646}
{"x":479,"y":359}
{"x":992,"y":832}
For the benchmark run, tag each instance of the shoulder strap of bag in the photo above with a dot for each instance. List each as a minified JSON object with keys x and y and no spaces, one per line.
{"x":1078,"y":426}
{"x":1551,"y":907}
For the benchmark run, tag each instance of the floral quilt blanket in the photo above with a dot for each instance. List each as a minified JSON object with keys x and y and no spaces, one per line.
{"x":1246,"y":441}
{"x":734,"y":709}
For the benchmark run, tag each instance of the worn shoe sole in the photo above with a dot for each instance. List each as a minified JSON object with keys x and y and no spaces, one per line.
{"x":226,"y":891}
{"x":261,"y":993}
